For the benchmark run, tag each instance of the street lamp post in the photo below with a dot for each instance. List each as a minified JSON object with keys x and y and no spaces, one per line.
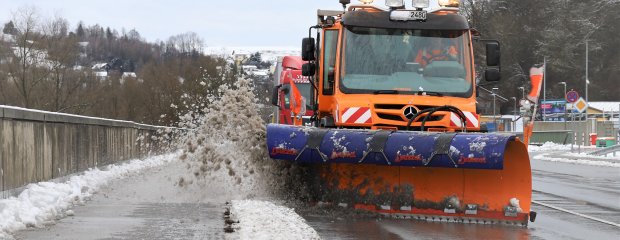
{"x":564,"y":83}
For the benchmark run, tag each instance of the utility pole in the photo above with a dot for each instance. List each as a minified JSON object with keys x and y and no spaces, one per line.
{"x":587,"y":80}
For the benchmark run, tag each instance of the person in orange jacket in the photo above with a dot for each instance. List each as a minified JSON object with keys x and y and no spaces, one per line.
{"x":436,"y":50}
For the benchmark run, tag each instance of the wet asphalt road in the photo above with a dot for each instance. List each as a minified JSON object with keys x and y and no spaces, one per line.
{"x":144,"y":206}
{"x":125,"y":209}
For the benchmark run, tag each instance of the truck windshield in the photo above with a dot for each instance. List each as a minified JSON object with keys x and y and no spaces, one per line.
{"x":388,"y":61}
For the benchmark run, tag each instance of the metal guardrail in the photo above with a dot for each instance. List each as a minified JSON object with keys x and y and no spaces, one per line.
{"x":606,"y":150}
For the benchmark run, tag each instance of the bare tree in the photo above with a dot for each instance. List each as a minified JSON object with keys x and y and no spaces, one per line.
{"x":62,"y":54}
{"x":27,"y":68}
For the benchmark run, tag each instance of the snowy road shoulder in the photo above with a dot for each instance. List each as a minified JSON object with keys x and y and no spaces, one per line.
{"x":265,"y":220}
{"x":583,"y":159}
{"x":554,"y":152}
{"x":41,"y":203}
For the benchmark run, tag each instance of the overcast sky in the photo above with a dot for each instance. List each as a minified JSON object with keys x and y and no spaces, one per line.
{"x":220,"y":23}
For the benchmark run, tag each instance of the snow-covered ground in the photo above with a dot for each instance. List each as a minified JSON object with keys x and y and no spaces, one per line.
{"x":562,"y":153}
{"x":610,"y":162}
{"x":265,"y":220}
{"x":548,"y":146}
{"x":42,"y":203}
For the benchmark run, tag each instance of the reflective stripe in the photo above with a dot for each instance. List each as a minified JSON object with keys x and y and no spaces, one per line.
{"x":348,"y":112}
{"x":472,"y":120}
{"x":357,"y":115}
{"x":364,"y":117}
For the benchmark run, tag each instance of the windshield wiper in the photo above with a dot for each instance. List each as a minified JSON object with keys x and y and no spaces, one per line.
{"x":438,"y":94}
{"x":385,"y":92}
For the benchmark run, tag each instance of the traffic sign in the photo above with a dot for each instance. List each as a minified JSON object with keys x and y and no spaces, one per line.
{"x":572,"y":96}
{"x":580,"y":105}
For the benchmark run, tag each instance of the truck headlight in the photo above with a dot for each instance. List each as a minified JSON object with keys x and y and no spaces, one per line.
{"x":449,"y":3}
{"x":395,"y":3}
{"x":420,"y":3}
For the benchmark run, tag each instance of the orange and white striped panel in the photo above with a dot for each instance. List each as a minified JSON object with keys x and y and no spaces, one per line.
{"x":357,"y":115}
{"x":472,"y":120}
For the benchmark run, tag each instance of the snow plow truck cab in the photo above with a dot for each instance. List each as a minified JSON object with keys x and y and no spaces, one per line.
{"x":401,"y":138}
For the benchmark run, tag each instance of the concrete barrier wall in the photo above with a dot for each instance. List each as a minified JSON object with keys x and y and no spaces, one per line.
{"x":38,"y":146}
{"x":580,"y":131}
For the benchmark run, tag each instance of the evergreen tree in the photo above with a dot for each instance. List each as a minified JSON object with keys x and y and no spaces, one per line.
{"x":9,"y":28}
{"x":80,"y":31}
{"x":108,"y":34}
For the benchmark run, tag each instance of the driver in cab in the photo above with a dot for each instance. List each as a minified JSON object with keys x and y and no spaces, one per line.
{"x":437,"y":49}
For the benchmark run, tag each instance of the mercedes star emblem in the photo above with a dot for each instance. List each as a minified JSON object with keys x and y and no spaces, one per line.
{"x":409,"y":112}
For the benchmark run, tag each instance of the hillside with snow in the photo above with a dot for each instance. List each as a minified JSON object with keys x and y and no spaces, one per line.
{"x":269,"y":54}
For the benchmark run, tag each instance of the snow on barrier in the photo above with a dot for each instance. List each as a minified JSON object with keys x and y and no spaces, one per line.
{"x":265,"y":220}
{"x":38,"y":146}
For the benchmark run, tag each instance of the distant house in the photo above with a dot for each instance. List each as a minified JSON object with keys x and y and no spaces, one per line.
{"x":101,"y":70}
{"x":127,"y":75}
{"x":98,"y":67}
{"x":604,"y":110}
{"x":7,"y":37}
{"x":101,"y":75}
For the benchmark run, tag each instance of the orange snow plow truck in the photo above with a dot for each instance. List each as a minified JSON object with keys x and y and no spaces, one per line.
{"x":395,"y":128}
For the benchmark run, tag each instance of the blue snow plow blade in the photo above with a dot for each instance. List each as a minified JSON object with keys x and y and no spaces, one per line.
{"x":382,"y":147}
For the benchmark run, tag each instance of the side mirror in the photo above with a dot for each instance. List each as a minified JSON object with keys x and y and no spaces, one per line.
{"x":307,"y":49}
{"x":308,"y":69}
{"x":493,"y":53}
{"x":492,"y":74}
{"x":275,"y":96}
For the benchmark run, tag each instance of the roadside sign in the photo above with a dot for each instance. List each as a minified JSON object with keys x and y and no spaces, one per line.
{"x":580,"y":105}
{"x":572,"y":96}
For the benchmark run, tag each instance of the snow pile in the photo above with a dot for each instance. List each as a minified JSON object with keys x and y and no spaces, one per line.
{"x":601,"y":163}
{"x":548,"y":146}
{"x":43,"y":202}
{"x":265,"y":220}
{"x":226,"y":154}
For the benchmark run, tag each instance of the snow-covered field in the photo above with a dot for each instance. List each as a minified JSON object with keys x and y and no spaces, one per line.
{"x":42,"y":203}
{"x":265,"y":220}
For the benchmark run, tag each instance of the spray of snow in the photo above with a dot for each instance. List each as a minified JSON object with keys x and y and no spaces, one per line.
{"x":265,"y":220}
{"x":226,"y":153}
{"x":42,"y":203}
